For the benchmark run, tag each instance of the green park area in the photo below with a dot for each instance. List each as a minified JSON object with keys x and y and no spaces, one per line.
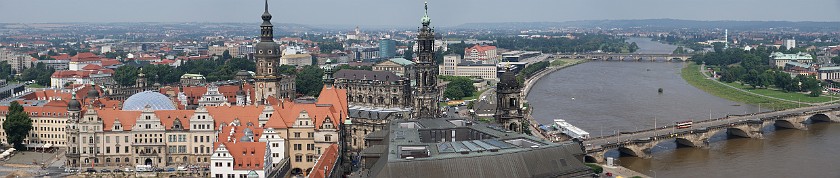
{"x":793,"y":96}
{"x":691,"y":74}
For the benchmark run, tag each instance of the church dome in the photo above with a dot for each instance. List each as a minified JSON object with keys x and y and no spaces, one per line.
{"x":154,"y":100}
{"x":92,"y":92}
{"x":74,"y":105}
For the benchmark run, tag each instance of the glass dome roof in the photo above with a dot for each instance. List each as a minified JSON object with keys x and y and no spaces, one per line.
{"x":154,"y":100}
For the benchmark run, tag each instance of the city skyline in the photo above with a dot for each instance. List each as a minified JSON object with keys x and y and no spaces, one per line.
{"x":405,"y":13}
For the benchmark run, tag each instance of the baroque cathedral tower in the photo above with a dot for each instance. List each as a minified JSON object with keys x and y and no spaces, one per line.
{"x":426,"y":93}
{"x":508,"y":110}
{"x":266,"y":80}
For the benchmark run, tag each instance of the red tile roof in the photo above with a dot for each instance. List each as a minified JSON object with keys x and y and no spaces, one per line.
{"x":246,"y":155}
{"x":81,"y":57}
{"x":479,"y":48}
{"x":92,"y":67}
{"x":110,"y":62}
{"x":62,"y":56}
{"x":228,"y":114}
{"x":126,"y":118}
{"x":325,"y":163}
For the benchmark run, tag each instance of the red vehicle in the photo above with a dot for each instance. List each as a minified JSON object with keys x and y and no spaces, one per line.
{"x":684,"y":124}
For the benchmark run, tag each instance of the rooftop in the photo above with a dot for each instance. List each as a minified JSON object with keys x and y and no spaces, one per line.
{"x":415,"y":147}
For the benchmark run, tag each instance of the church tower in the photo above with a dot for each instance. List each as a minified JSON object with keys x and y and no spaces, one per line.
{"x":71,"y":130}
{"x":329,"y":81}
{"x":426,"y":94}
{"x":140,"y":82}
{"x":267,"y":57}
{"x":508,"y":112}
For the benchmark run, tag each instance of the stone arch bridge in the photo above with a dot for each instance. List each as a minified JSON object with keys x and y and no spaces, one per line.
{"x":639,"y":143}
{"x":627,"y":56}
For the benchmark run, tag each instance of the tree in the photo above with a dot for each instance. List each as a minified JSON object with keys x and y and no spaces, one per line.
{"x":453,"y":92}
{"x":718,"y":46}
{"x":40,"y":73}
{"x":126,"y":75}
{"x":226,"y":55}
{"x":286,"y":69}
{"x":815,"y":91}
{"x":409,"y":53}
{"x":308,"y":81}
{"x":17,"y":125}
{"x":835,"y":59}
{"x":458,"y":87}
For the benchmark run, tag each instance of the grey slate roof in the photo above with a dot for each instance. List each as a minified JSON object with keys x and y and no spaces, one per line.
{"x":478,"y":150}
{"x":366,"y":75}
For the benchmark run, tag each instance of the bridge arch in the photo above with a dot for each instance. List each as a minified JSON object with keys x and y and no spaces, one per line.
{"x":781,"y":123}
{"x":631,"y":152}
{"x":735,"y":131}
{"x":590,"y":159}
{"x":820,"y":118}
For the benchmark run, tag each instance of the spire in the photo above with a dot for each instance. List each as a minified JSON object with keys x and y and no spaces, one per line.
{"x":426,"y":20}
{"x":267,"y":30}
{"x":266,"y":16}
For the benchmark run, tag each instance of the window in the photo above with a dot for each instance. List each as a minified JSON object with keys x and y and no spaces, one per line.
{"x":310,"y":146}
{"x":297,"y":134}
{"x":328,"y":138}
{"x":107,"y":139}
{"x":310,"y":134}
{"x":298,"y":158}
{"x":310,"y":158}
{"x":297,"y":147}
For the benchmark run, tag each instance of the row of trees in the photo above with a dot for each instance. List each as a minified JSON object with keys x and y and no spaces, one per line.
{"x":458,"y":87}
{"x":583,"y":43}
{"x":213,"y":70}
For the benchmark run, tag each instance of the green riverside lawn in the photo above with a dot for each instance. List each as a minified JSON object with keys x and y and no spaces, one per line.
{"x":793,"y":96}
{"x":691,"y":74}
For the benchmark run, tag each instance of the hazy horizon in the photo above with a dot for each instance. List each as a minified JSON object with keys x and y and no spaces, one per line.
{"x":408,"y":13}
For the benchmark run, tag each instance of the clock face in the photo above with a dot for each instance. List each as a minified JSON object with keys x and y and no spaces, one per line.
{"x":262,"y":85}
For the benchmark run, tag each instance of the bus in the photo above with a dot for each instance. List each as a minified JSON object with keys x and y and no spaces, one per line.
{"x":684,"y":124}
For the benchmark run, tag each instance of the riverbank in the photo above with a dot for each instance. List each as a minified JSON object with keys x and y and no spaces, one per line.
{"x":691,"y":74}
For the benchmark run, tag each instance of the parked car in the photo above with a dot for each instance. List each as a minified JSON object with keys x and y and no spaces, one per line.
{"x":118,"y":170}
{"x":91,"y":170}
{"x":105,"y":170}
{"x":128,"y":170}
{"x":170,"y":169}
{"x":159,"y":170}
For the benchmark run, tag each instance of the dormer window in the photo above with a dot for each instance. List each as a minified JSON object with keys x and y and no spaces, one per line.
{"x":260,"y":51}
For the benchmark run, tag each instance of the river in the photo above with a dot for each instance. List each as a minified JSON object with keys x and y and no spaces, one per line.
{"x":607,"y":97}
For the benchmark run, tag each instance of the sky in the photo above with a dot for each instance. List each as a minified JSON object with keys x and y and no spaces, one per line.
{"x":408,"y":12}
